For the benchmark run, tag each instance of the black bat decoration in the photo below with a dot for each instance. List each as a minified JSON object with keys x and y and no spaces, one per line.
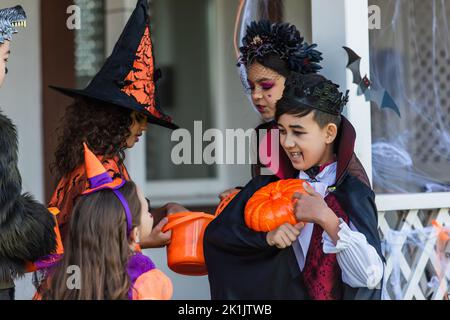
{"x":381,"y":97}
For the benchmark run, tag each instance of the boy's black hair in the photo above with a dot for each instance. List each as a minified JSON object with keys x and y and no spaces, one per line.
{"x":304,"y":94}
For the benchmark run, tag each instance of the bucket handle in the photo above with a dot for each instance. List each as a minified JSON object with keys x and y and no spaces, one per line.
{"x":192,"y":216}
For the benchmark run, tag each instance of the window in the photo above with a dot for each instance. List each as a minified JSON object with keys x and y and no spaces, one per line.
{"x":89,"y":41}
{"x":410,"y":57}
{"x":180,"y":33}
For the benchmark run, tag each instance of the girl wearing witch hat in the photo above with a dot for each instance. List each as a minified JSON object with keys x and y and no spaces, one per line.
{"x":110,"y":115}
{"x":26,"y":226}
{"x":103,"y":240}
{"x":269,"y":52}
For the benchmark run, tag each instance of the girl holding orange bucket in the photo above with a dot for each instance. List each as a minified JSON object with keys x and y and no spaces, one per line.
{"x":103,"y":243}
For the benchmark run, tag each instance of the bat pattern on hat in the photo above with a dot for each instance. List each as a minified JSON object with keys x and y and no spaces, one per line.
{"x":380,"y":96}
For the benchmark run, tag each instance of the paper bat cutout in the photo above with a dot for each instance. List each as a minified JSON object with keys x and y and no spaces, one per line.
{"x":381,"y":97}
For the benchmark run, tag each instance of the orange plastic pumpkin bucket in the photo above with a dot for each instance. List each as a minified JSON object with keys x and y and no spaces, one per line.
{"x":185,"y":251}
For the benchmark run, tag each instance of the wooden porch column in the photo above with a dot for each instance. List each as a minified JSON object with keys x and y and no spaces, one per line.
{"x":58,"y":60}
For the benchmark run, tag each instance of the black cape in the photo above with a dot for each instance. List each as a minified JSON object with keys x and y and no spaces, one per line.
{"x":241,"y":265}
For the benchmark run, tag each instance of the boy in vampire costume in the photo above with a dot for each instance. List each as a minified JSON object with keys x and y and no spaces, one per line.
{"x":337,"y":253}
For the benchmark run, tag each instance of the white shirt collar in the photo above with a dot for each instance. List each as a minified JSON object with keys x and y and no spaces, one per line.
{"x":326,"y":178}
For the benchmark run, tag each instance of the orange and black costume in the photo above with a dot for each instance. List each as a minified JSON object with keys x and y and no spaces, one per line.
{"x":126,"y":80}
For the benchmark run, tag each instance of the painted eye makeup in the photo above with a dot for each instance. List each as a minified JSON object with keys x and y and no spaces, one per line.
{"x":267,"y":85}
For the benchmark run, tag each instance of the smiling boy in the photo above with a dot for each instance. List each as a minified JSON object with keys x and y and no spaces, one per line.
{"x":337,"y":254}
{"x":340,"y":240}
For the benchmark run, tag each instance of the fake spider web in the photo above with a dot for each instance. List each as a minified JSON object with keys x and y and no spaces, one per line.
{"x":409,"y":56}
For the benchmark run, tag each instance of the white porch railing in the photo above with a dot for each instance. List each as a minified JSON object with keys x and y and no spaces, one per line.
{"x":413,"y":266}
{"x":417,"y":264}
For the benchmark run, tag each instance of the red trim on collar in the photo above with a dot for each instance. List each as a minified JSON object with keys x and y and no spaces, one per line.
{"x":344,"y":147}
{"x":327,"y":164}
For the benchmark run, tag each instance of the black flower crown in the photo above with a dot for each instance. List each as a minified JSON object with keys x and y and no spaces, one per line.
{"x":264,"y":38}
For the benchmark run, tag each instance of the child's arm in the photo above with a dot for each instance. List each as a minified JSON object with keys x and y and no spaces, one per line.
{"x":359,"y":261}
{"x":157,"y":238}
{"x":228,"y":230}
{"x":235,"y":237}
{"x":313,"y":208}
{"x":283,"y":236}
{"x":153,"y":285}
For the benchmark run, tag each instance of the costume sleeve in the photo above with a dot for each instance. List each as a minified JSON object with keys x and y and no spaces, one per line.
{"x":237,"y":237}
{"x":153,"y":285}
{"x":360,"y":263}
{"x":358,"y":200}
{"x":65,"y":196}
{"x":230,"y":233}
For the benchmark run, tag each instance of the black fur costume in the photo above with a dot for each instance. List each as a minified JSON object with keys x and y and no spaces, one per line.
{"x":26,"y":226}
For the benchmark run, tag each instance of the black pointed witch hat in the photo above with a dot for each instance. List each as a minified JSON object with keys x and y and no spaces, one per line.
{"x":128,"y":77}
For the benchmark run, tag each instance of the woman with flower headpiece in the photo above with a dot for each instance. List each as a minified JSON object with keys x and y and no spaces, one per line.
{"x":269,"y":53}
{"x":26,"y":226}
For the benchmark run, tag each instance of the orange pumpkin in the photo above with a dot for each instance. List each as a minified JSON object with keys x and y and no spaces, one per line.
{"x":272,"y":206}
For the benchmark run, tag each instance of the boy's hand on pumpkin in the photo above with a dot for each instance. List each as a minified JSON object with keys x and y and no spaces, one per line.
{"x":310,"y":207}
{"x":283,"y":236}
{"x":157,"y":238}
